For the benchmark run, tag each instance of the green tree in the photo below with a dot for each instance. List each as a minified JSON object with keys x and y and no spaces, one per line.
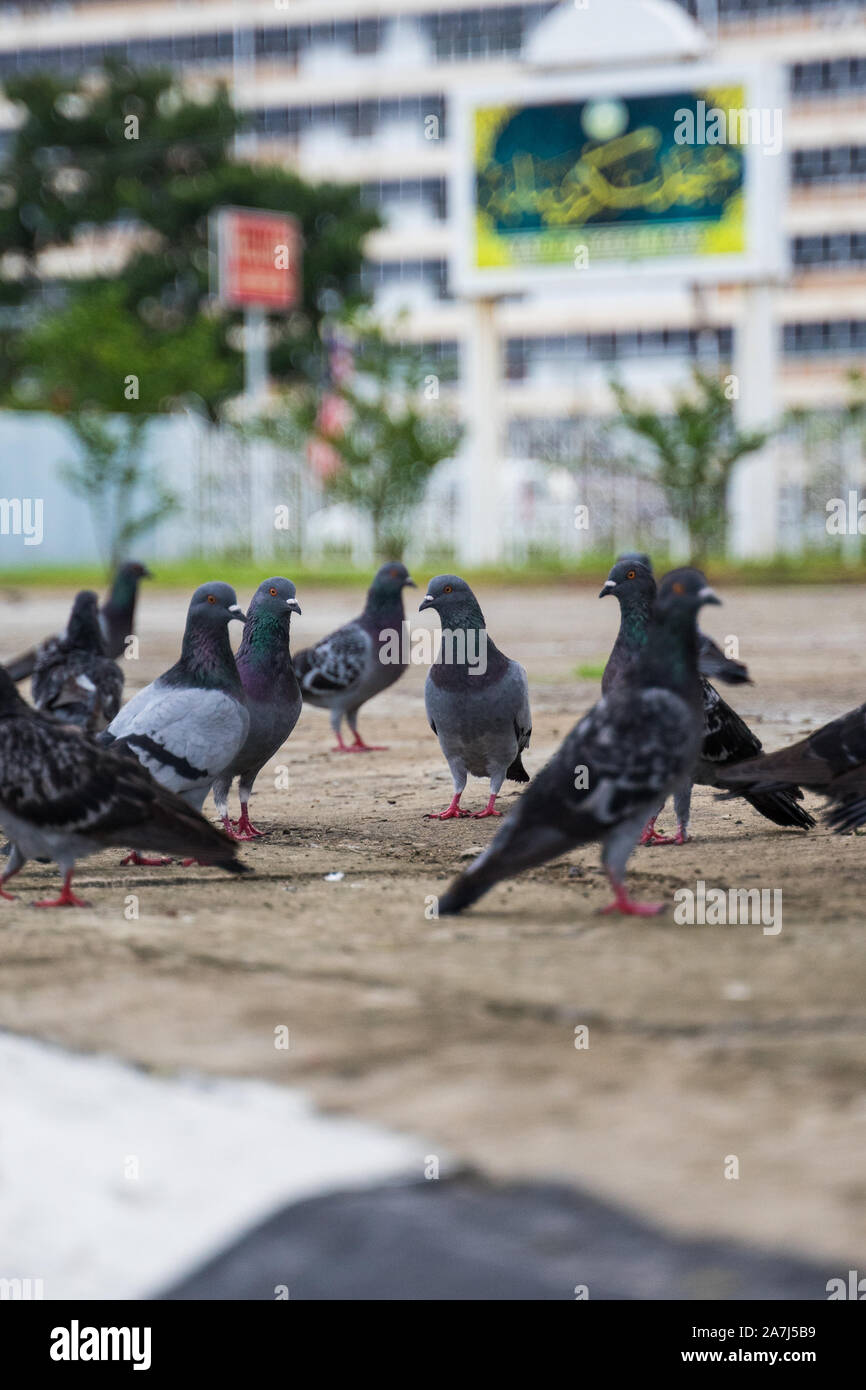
{"x":126,"y":497}
{"x":693,"y":450}
{"x":133,"y":152}
{"x":389,"y":437}
{"x":134,"y":158}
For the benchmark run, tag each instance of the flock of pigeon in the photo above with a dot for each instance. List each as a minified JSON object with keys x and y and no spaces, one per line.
{"x":81,"y":772}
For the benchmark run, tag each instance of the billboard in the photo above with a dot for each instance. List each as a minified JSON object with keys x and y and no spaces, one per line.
{"x":258,"y":259}
{"x":676,"y":173}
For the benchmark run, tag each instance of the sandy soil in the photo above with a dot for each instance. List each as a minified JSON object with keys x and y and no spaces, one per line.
{"x":704,"y":1041}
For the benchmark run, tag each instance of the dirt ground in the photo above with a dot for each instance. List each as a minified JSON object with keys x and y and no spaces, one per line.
{"x":705,"y":1042}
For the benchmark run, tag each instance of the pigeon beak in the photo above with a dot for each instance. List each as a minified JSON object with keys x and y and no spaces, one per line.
{"x":237,"y":612}
{"x":293,"y":606}
{"x":708,"y":595}
{"x":146,"y":573}
{"x":607,"y":587}
{"x":428,"y":602}
{"x":410,"y":582}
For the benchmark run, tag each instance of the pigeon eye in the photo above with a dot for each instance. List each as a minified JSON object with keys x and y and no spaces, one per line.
{"x":448,"y":589}
{"x":273,"y":592}
{"x":677,"y":588}
{"x":630,"y":574}
{"x":211,"y":599}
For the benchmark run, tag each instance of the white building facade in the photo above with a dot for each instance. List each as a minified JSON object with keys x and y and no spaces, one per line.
{"x":361,"y":90}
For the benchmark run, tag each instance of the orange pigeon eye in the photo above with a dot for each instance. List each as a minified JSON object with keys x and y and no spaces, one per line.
{"x":273,"y":592}
{"x":211,"y":599}
{"x":630,"y":574}
{"x":448,"y":589}
{"x":677,"y":588}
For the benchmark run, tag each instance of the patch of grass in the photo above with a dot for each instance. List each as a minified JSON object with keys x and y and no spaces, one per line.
{"x":813,"y":567}
{"x":590,"y":671}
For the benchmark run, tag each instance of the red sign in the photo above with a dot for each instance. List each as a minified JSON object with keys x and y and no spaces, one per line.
{"x":258,"y":258}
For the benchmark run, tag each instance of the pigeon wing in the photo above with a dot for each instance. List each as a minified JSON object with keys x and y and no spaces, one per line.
{"x":184,"y":736}
{"x":335,"y":664}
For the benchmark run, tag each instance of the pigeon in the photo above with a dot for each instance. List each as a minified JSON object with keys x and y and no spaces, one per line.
{"x":190,"y":723}
{"x":116,"y":619}
{"x":360,"y":659}
{"x":832,"y":760}
{"x":632,"y":579}
{"x":618,"y":763}
{"x":477,"y":700}
{"x":727,"y":738}
{"x":63,"y":797}
{"x":73,"y":678}
{"x":272,"y":692}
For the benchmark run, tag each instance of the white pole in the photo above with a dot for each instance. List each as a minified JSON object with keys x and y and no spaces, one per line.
{"x":752,"y":494}
{"x":255,"y":356}
{"x":480,"y":539}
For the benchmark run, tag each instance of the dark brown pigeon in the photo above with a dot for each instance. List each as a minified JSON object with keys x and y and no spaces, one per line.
{"x":63,"y":797}
{"x":116,"y":619}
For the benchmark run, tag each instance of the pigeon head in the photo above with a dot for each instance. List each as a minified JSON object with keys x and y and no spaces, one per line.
{"x":83,"y":630}
{"x":639,"y":555}
{"x":630,"y":580}
{"x":385,"y":595}
{"x":214,"y":605}
{"x":391,"y":580}
{"x":684,"y":590}
{"x":276,"y":598}
{"x":134,"y":570}
{"x":125,"y":586}
{"x":453,"y":600}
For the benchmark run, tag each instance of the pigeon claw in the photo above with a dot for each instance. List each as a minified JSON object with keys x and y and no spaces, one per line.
{"x":680,"y":838}
{"x":488,"y":810}
{"x":453,"y":812}
{"x":245,"y":828}
{"x":623,"y":903}
{"x":359,"y":746}
{"x":145,"y":862}
{"x":7,"y":897}
{"x":66,"y":899}
{"x":630,"y":908}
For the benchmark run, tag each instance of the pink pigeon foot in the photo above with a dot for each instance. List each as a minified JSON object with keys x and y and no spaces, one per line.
{"x":359,"y":746}
{"x":623,"y":903}
{"x":7,"y":897}
{"x":488,"y":810}
{"x":66,"y":899}
{"x":680,"y":838}
{"x":453,"y":812}
{"x":243,"y":829}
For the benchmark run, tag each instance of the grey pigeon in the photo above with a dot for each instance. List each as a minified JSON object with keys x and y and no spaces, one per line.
{"x":73,"y":678}
{"x":63,"y":797}
{"x":477,"y":699}
{"x":632,"y":579}
{"x":832,"y":760}
{"x":360,"y":659}
{"x":116,"y":619}
{"x":191,"y":722}
{"x":727,"y":738}
{"x":615,"y":767}
{"x":273,"y":697}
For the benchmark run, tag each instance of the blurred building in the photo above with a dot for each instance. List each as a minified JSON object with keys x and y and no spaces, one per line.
{"x":360,"y":90}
